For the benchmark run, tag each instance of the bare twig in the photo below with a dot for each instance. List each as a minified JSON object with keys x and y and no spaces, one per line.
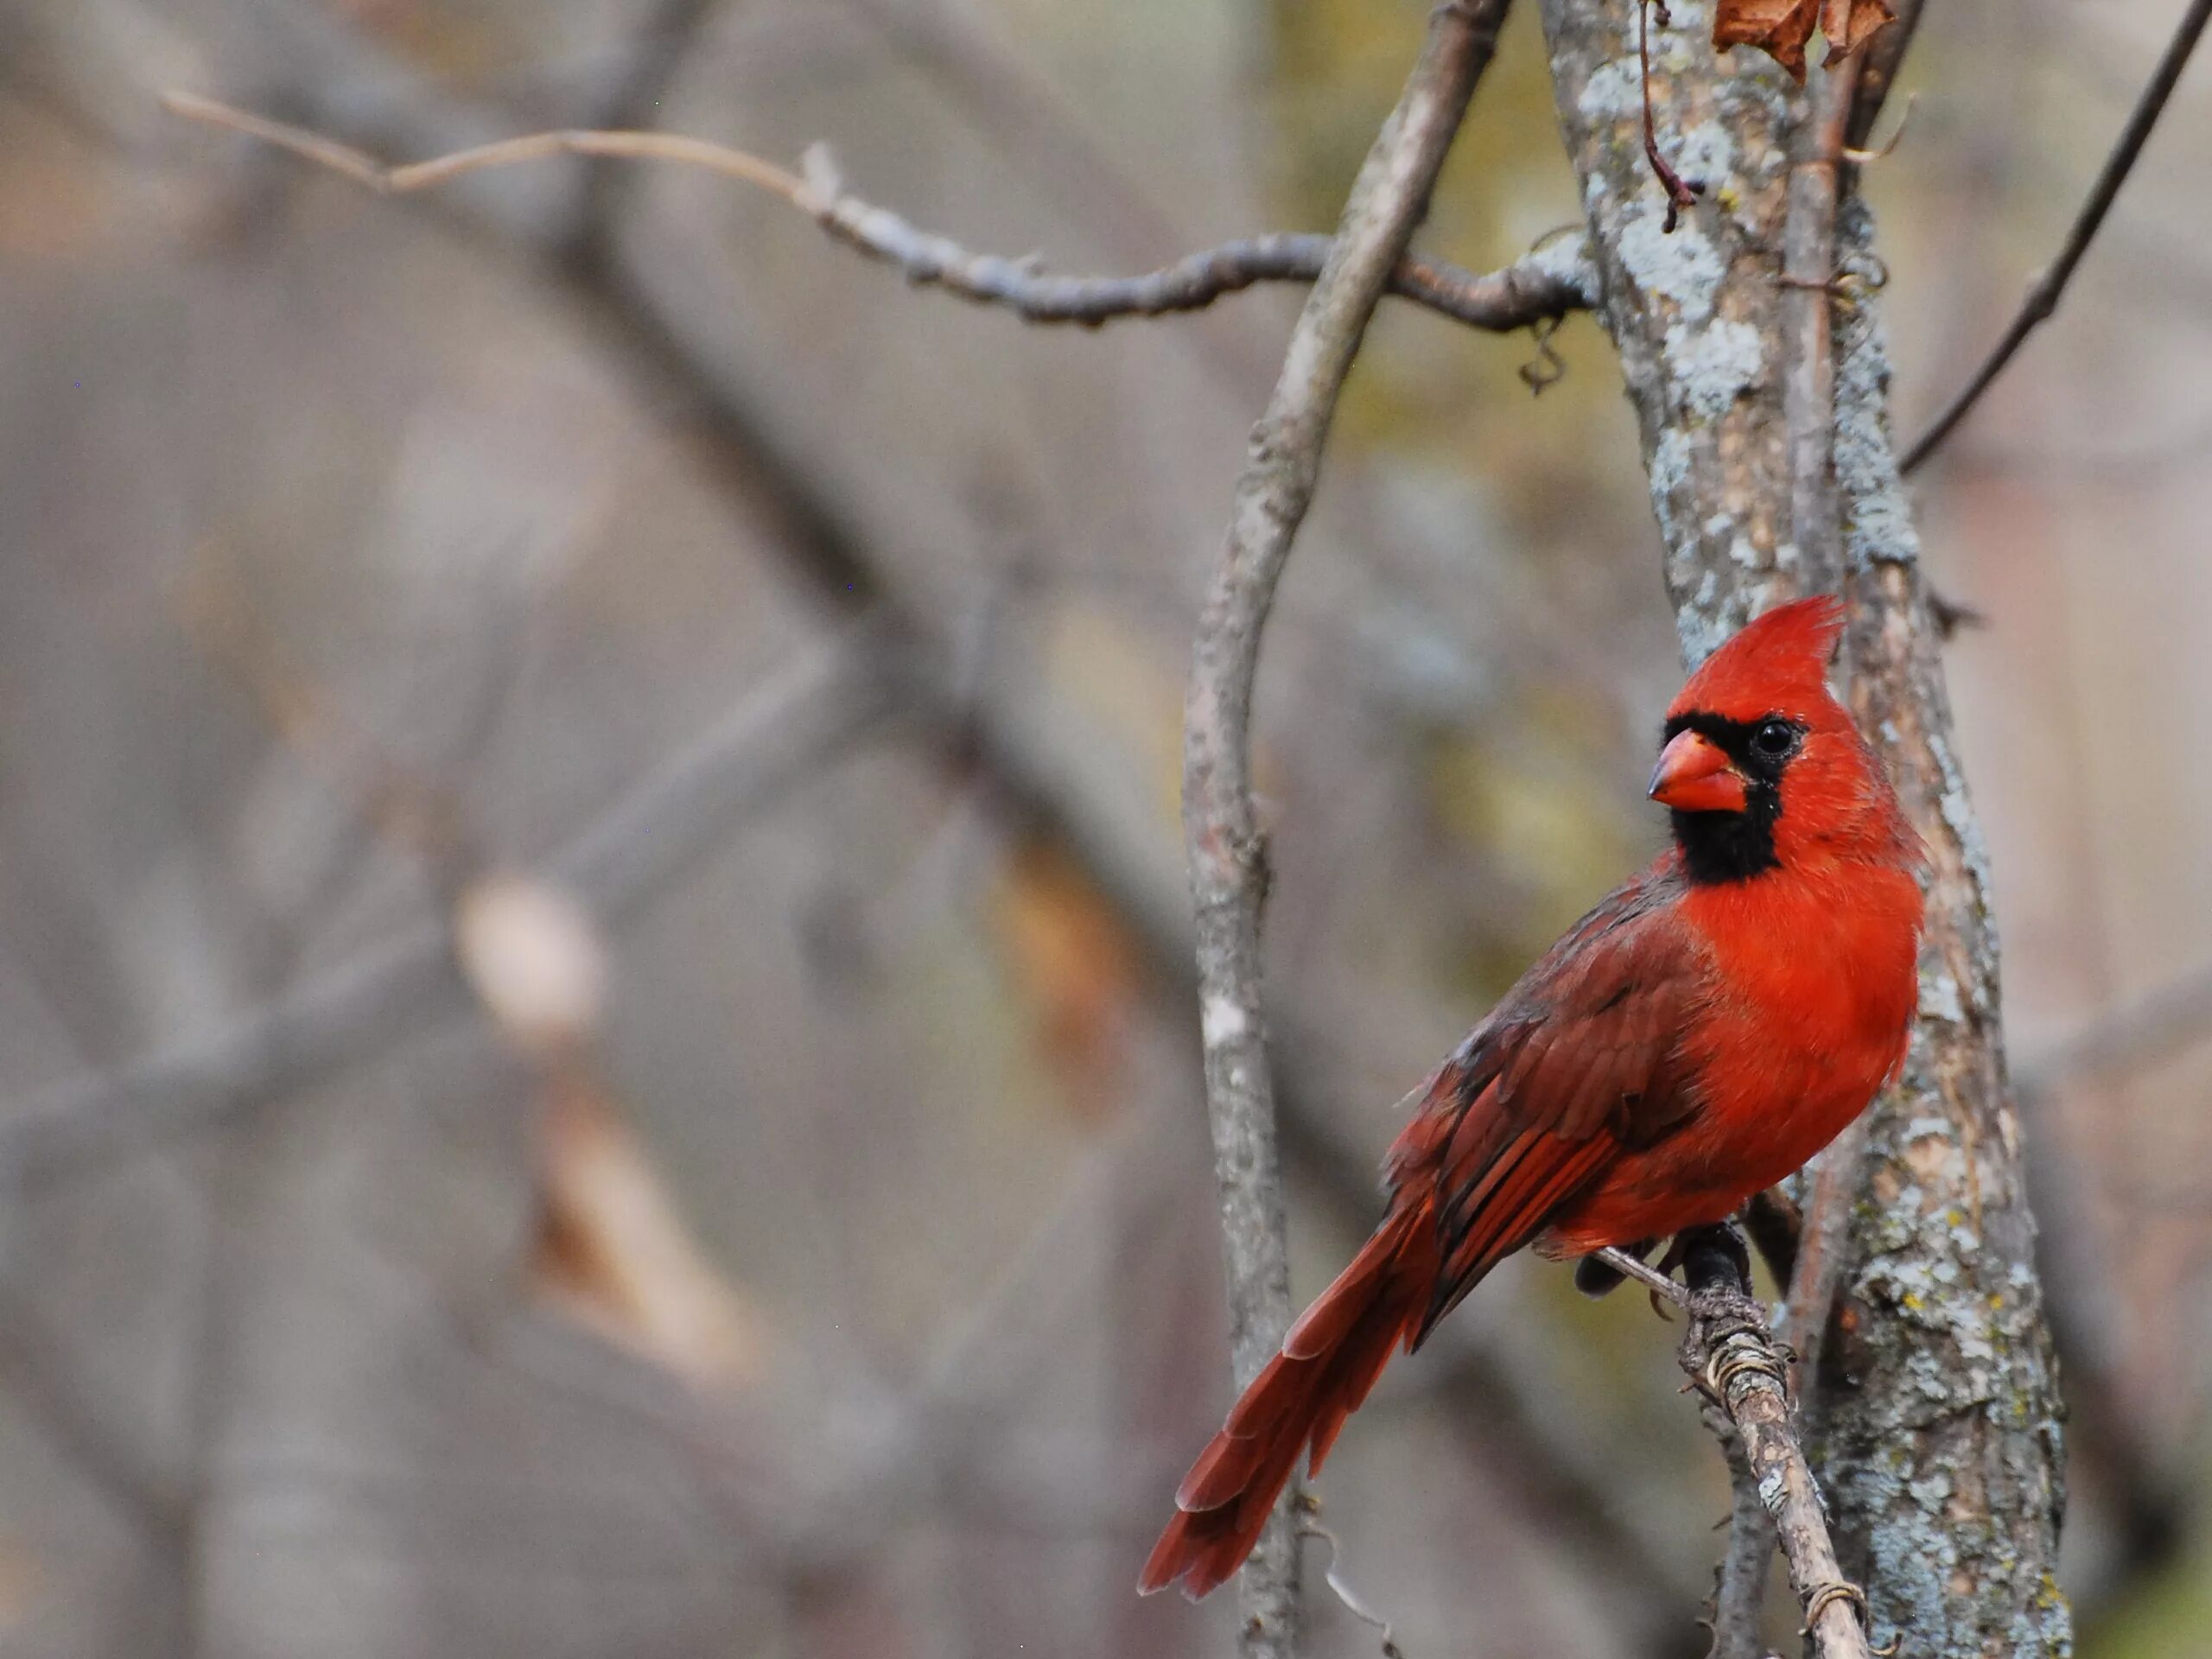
{"x":1650,"y":1277}
{"x":2045,"y":293}
{"x":1817,"y":1269}
{"x":1730,"y":1355}
{"x":1339,"y":1586}
{"x":1681,"y":195}
{"x":388,"y":180}
{"x":1542,"y":287}
{"x":1220,"y":821}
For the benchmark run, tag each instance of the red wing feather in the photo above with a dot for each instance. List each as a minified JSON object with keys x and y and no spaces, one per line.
{"x":1578,"y":1061}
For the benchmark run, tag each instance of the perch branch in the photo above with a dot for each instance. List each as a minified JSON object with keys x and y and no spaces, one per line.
{"x":1220,"y":821}
{"x":2045,"y":293}
{"x":1541,"y":287}
{"x":1729,"y":1355}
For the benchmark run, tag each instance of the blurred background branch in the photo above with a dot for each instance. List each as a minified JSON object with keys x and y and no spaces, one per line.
{"x":851,"y":1288}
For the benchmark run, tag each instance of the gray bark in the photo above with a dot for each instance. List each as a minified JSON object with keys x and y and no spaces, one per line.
{"x":1940,"y":1450}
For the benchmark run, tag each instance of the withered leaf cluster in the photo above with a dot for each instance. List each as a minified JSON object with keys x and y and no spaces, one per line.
{"x":1783,"y":28}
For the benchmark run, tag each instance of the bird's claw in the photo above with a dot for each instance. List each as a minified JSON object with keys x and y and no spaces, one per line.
{"x":1723,"y":1308}
{"x":1728,"y":1334}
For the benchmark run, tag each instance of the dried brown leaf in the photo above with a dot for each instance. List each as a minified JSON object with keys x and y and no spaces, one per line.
{"x":614,"y":1250}
{"x":1778,"y":27}
{"x":1849,"y":24}
{"x":1782,"y":29}
{"x":1077,"y":963}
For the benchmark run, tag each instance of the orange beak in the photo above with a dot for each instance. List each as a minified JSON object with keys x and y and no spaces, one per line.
{"x":1694,"y":776}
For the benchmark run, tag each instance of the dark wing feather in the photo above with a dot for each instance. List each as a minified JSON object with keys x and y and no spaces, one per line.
{"x":1578,"y":1061}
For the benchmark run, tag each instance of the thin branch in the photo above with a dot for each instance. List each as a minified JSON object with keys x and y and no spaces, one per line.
{"x":1682,"y":196}
{"x":2044,"y":294}
{"x":1808,"y":276}
{"x":1631,"y":1266}
{"x":1542,"y":287}
{"x":1729,"y":1355}
{"x":1816,"y":1271}
{"x":1220,"y":821}
{"x":387,"y":179}
{"x":1880,"y":63}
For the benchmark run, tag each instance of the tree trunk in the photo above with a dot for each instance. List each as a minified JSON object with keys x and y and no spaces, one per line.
{"x":1938,"y":1444}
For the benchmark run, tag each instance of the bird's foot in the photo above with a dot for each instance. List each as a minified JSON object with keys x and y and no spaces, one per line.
{"x":1596,"y":1276}
{"x":1723,"y":1308}
{"x":1729,"y":1338}
{"x":1712,"y":1258}
{"x":1716,"y":1276}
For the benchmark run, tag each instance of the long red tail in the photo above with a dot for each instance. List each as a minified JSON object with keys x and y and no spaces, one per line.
{"x":1328,"y":1362}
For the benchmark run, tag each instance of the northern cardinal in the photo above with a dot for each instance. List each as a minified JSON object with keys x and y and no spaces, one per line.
{"x":1700,"y":1035}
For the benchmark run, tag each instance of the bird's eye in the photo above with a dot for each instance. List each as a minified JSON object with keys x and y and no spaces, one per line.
{"x":1775,"y":740}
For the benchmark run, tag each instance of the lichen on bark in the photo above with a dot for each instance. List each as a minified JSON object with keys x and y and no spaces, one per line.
{"x":1940,"y":1447}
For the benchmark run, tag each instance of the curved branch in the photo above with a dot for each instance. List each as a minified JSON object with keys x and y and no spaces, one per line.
{"x":1220,"y":823}
{"x":1542,"y":287}
{"x":2045,"y":293}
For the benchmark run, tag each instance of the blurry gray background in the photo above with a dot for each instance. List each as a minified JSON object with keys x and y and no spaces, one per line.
{"x":793,"y":1233}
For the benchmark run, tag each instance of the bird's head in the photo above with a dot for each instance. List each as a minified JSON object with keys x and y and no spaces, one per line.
{"x":1763,"y":768}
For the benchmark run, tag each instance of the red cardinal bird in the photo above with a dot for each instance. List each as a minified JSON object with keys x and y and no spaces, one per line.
{"x":1694,"y":1040}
